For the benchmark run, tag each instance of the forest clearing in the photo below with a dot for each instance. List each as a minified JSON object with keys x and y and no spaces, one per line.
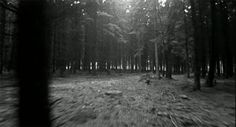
{"x":84,"y":100}
{"x":117,"y":63}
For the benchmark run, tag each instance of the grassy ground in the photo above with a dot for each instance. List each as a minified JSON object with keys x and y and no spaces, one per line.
{"x":86,"y":101}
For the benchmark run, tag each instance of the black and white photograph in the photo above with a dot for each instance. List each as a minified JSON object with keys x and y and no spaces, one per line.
{"x":117,"y":63}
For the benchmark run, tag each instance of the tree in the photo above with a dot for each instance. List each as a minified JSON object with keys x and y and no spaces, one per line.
{"x":2,"y":34}
{"x":195,"y":20}
{"x":156,"y":43}
{"x":32,"y":65}
{"x":186,"y":41}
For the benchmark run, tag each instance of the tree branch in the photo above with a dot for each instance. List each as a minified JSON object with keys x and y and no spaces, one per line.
{"x":8,"y":7}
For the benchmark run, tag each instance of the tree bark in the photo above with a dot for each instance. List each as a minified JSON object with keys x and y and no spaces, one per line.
{"x":156,"y":61}
{"x":186,"y":45}
{"x":33,"y":65}
{"x":202,"y":37}
{"x":225,"y":33}
{"x":2,"y":36}
{"x":168,"y":57}
{"x":212,"y":53}
{"x":156,"y":35}
{"x":195,"y":20}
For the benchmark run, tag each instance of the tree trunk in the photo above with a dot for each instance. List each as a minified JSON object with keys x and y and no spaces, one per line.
{"x":225,"y":32}
{"x":195,"y":20}
{"x":204,"y":69}
{"x":82,"y":56}
{"x":202,"y":37}
{"x":132,"y":63}
{"x":156,"y":61}
{"x":168,"y":64}
{"x":211,"y":73}
{"x":53,"y":54}
{"x":156,"y":35}
{"x":186,"y":47}
{"x":2,"y":34}
{"x":33,"y":65}
{"x":218,"y":73}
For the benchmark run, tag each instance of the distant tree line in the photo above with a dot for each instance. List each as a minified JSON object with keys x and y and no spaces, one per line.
{"x":177,"y":37}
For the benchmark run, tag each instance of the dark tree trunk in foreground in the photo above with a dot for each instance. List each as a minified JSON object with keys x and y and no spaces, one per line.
{"x":211,"y":73}
{"x":2,"y":34}
{"x":186,"y":48}
{"x":228,"y":72}
{"x":196,"y":47}
{"x":32,"y":65}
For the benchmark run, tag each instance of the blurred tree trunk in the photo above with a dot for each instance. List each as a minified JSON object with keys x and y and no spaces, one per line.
{"x":202,"y":37}
{"x":33,"y":64}
{"x":225,"y":33}
{"x":87,"y":49}
{"x":218,"y":73}
{"x":186,"y":47}
{"x":195,"y":20}
{"x":92,"y":11}
{"x":156,"y":35}
{"x":53,"y":53}
{"x":2,"y":34}
{"x":132,"y":63}
{"x":168,"y":57}
{"x":12,"y":63}
{"x":62,"y":49}
{"x":83,"y":36}
{"x":212,"y":46}
{"x":139,"y":54}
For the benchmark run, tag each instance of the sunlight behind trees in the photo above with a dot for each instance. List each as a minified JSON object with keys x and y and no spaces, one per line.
{"x":82,"y":31}
{"x":117,"y":63}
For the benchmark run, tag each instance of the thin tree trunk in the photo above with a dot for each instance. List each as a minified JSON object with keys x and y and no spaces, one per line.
{"x":156,"y":46}
{"x":95,"y":59}
{"x":54,"y":49}
{"x":218,"y":73}
{"x":132,"y":63}
{"x":156,"y":61}
{"x":168,"y":64}
{"x":186,"y":47}
{"x":83,"y":36}
{"x":204,"y":69}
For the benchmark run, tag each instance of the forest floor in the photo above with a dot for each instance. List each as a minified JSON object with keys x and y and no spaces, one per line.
{"x":122,"y":100}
